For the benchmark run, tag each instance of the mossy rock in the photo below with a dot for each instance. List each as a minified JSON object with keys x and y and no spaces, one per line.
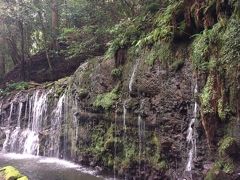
{"x":11,"y":173}
{"x":228,"y":147}
{"x":23,"y":178}
{"x":215,"y":174}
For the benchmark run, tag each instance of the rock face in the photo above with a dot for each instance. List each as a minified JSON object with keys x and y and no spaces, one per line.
{"x":174,"y":116}
{"x":98,"y":120}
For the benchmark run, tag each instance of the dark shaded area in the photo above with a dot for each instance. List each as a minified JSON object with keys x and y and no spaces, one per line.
{"x":37,"y":68}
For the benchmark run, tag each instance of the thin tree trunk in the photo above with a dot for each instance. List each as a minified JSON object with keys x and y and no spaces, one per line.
{"x":12,"y":46}
{"x":23,"y":70}
{"x":2,"y":65}
{"x":54,"y":23}
{"x":45,"y":41}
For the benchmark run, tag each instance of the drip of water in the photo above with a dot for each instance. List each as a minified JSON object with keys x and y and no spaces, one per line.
{"x":124,"y":115}
{"x":141,"y":134}
{"x":19,"y":114}
{"x":13,"y":139}
{"x":133,"y":75}
{"x":10,"y":114}
{"x":5,"y":144}
{"x":191,"y":136}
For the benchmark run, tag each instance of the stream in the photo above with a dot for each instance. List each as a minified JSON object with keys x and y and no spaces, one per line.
{"x":43,"y":168}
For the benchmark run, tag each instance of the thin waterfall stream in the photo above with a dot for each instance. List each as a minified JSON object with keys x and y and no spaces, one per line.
{"x":192,"y":134}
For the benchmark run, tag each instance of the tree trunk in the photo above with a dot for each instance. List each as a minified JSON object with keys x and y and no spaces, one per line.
{"x":23,"y":70}
{"x":54,"y":23}
{"x":2,"y":65}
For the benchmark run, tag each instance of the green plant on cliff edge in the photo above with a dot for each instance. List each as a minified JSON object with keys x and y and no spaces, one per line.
{"x":155,"y":154}
{"x":116,"y":73}
{"x":206,"y":96}
{"x":204,"y":45}
{"x":14,"y":86}
{"x":163,"y":26}
{"x":160,"y":51}
{"x":224,"y":144}
{"x":221,"y":165}
{"x":106,"y":100}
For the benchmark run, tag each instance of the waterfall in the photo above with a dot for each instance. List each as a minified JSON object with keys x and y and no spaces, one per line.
{"x":37,"y":113}
{"x":191,"y":136}
{"x":133,"y":75}
{"x":56,"y":127}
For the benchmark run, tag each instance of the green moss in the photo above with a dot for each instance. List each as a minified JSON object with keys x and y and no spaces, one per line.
{"x":116,"y":73}
{"x":23,"y":178}
{"x":206,"y":96}
{"x":106,"y":100}
{"x":10,"y":173}
{"x":227,"y":166}
{"x":14,"y":86}
{"x":82,"y":93}
{"x":224,"y":145}
{"x":177,"y":65}
{"x":223,"y":110}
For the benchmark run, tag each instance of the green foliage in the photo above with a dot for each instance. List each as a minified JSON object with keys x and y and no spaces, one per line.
{"x":163,"y":29}
{"x":106,"y":100}
{"x":38,"y":42}
{"x":116,"y":73}
{"x":223,"y":109}
{"x":204,"y":45}
{"x":153,"y":7}
{"x":206,"y":96}
{"x":231,"y":46}
{"x":224,"y":145}
{"x":160,"y":51}
{"x":14,"y":86}
{"x":226,"y":166}
{"x":82,"y":41}
{"x":155,"y":158}
{"x":125,"y":33}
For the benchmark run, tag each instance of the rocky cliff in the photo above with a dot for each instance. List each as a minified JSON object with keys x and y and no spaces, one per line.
{"x":166,"y":110}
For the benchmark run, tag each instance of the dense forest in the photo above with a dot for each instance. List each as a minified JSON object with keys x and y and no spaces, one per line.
{"x":134,"y":89}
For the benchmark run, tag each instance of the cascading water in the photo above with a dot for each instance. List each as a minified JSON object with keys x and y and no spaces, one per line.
{"x":37,"y":113}
{"x":192,"y":135}
{"x":133,"y":75}
{"x":33,"y":127}
{"x":5,"y":144}
{"x":56,"y":124}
